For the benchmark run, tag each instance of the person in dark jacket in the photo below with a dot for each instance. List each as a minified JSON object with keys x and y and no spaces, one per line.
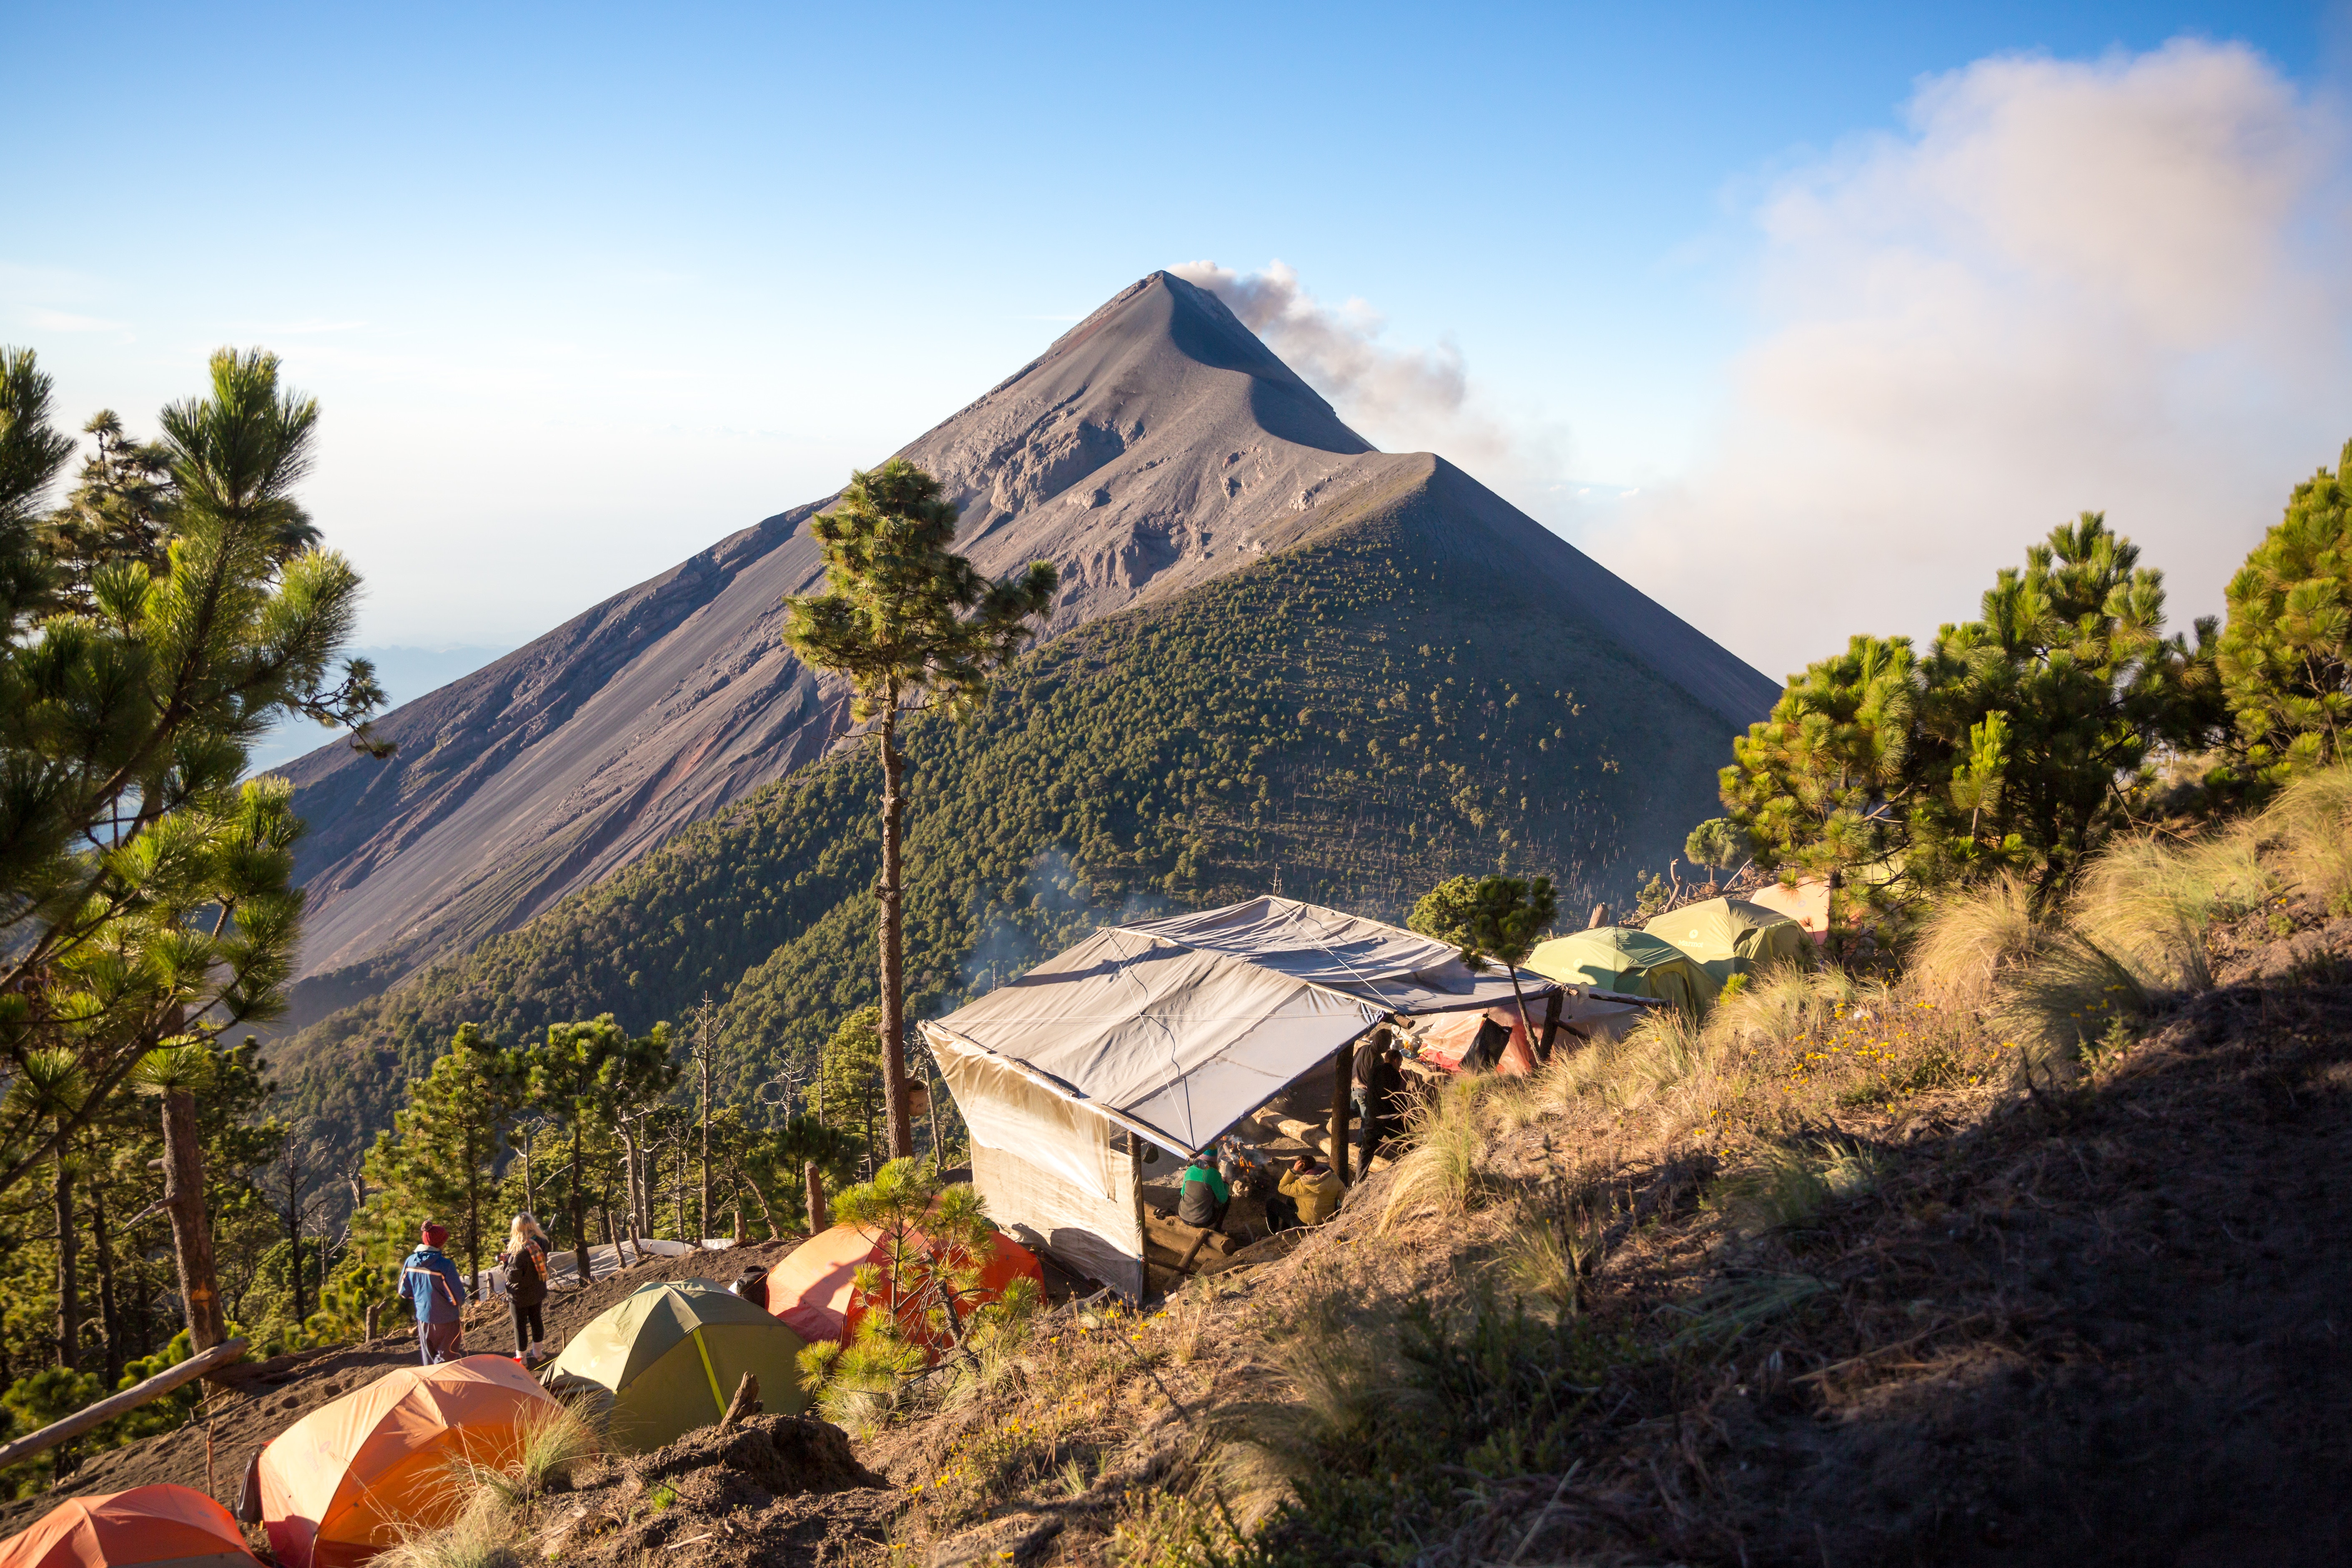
{"x":526,"y":1266}
{"x":1380,"y":1098}
{"x":434,"y":1290}
{"x":1204,"y":1198}
{"x":752,"y":1286}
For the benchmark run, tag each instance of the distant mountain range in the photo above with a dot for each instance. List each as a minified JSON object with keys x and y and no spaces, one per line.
{"x":1353,"y":671}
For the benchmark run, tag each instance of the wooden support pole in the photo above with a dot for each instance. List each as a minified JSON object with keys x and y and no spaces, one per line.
{"x":1345,"y":1060}
{"x":817,"y":1218}
{"x":1552,"y":1026}
{"x":130,"y":1398}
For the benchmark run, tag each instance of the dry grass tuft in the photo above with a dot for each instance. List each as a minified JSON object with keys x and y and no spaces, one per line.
{"x":481,"y":1536}
{"x":1442,"y":1165}
{"x":2311,"y":822}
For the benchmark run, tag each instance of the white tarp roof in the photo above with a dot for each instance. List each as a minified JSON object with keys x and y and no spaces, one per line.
{"x":1177,"y":1028}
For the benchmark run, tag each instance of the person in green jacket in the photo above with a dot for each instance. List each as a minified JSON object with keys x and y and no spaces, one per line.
{"x":1204,"y":1197}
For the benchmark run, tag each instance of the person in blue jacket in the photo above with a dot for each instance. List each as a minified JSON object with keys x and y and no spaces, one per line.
{"x":431,"y":1285}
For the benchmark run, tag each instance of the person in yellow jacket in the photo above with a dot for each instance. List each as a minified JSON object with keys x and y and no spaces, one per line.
{"x":1308,"y":1194}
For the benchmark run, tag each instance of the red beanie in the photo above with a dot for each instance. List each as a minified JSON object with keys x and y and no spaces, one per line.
{"x":434,"y":1235}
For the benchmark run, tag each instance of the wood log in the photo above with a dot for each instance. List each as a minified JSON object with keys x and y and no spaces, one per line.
{"x":130,"y":1398}
{"x":746,"y":1400}
{"x":1316,"y":1138}
{"x":1174,"y":1240}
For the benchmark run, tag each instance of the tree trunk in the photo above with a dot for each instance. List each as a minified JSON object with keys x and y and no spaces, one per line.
{"x":706,"y":1116}
{"x":767,"y":1215}
{"x":68,"y":1274}
{"x":1345,"y":1061}
{"x":817,"y":1218}
{"x":110,"y":1316}
{"x":294,"y":1226}
{"x":629,"y":1173}
{"x":931,"y":1104}
{"x":474,"y":1229}
{"x":1526,"y":1023}
{"x":191,"y":1231}
{"x":579,"y":1206}
{"x":888,"y":894}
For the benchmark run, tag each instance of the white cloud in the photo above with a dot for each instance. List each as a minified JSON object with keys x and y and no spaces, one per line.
{"x":2116,"y":286}
{"x":1399,"y":399}
{"x":67,"y":322}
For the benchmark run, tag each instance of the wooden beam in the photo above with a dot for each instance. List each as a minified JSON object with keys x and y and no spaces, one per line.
{"x":130,"y":1398}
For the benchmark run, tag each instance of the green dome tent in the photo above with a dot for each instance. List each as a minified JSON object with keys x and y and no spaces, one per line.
{"x":1633,"y":962}
{"x":665,"y":1360}
{"x":1732,"y":936}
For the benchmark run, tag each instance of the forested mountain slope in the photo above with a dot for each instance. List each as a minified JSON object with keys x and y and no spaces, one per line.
{"x":1392,"y":694}
{"x":1156,"y":446}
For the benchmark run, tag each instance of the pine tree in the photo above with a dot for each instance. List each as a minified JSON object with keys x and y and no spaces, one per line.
{"x":1490,"y":919}
{"x":117,"y":513}
{"x":448,"y":1137}
{"x":2020,"y":742}
{"x":2285,"y":655}
{"x":584,"y":1076}
{"x":911,"y":624}
{"x":848,"y":1092}
{"x":146,"y":890}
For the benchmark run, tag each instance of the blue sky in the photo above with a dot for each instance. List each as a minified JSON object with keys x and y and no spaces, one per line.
{"x":583,"y":289}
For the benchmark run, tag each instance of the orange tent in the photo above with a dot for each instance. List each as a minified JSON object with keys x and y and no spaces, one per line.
{"x":153,"y":1527}
{"x":1450,"y":1036}
{"x":338,"y":1485}
{"x":814,"y":1288}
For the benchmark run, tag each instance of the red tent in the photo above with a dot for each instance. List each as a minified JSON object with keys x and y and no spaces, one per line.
{"x":814,"y":1288}
{"x":158,"y":1526}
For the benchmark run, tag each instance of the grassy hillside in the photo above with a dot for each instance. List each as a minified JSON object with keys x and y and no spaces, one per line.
{"x":1329,"y":722}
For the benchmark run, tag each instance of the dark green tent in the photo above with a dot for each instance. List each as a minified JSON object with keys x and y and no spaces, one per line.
{"x":665,"y":1360}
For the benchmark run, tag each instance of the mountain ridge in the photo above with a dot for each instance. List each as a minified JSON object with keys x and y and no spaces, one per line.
{"x":1156,"y":446}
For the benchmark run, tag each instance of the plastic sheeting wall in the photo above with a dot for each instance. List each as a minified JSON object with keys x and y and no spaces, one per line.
{"x":1054,"y":1173}
{"x":1098,"y":1237}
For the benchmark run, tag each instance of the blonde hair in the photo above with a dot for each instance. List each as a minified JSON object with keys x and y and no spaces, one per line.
{"x":525,"y":1229}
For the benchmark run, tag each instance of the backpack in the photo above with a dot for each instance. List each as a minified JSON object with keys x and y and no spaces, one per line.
{"x":526,"y":1280}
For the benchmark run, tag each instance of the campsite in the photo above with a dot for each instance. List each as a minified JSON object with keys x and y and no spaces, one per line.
{"x":863,"y":787}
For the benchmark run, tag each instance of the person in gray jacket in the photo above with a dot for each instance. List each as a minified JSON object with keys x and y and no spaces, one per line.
{"x":431,"y":1285}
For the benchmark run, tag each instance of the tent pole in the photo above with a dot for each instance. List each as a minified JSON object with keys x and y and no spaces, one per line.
{"x":1344,"y":1061}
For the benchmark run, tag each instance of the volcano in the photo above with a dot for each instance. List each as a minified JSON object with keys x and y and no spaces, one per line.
{"x":1157,"y":446}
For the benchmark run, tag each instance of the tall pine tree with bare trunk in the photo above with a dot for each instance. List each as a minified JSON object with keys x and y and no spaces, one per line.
{"x":913,"y":625}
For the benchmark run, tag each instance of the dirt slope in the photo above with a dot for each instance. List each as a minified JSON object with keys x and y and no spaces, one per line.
{"x":2103,"y":1325}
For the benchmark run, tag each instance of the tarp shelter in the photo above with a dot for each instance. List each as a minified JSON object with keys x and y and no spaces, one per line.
{"x":1732,"y":936}
{"x":813,"y":1288}
{"x":1631,"y":962}
{"x":161,"y":1526}
{"x":338,"y":1485}
{"x":665,"y":1360}
{"x":1161,"y":1035}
